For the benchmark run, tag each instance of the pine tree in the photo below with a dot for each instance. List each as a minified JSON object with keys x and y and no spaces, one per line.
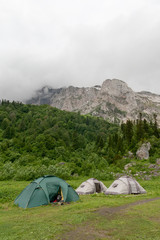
{"x":155,"y":126}
{"x":129,"y":131}
{"x":139,"y":128}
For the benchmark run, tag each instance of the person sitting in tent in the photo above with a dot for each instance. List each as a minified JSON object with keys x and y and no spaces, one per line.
{"x":58,"y":198}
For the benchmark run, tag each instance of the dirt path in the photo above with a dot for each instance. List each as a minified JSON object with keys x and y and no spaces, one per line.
{"x":87,"y":231}
{"x":111,"y":211}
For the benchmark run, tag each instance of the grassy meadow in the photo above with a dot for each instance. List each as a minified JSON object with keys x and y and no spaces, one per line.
{"x":94,"y":216}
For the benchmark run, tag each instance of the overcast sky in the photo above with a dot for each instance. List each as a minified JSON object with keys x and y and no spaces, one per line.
{"x":78,"y":42}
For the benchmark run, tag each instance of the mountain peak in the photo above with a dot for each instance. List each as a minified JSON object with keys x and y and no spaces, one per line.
{"x":115,"y":87}
{"x":114,"y":100}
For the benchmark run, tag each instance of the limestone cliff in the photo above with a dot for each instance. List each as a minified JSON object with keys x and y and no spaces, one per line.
{"x":114,"y":101}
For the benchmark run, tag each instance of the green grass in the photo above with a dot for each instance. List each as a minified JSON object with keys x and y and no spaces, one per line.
{"x":53,"y":221}
{"x":138,"y":222}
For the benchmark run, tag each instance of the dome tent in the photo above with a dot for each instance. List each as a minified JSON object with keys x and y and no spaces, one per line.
{"x":91,"y":186}
{"x":125,"y":185}
{"x":44,"y":190}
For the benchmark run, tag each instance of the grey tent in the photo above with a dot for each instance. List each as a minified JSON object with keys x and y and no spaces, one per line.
{"x":125,"y":185}
{"x":91,"y":186}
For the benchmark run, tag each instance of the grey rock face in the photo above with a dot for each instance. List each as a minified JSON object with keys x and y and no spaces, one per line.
{"x":143,"y":151}
{"x":113,"y":101}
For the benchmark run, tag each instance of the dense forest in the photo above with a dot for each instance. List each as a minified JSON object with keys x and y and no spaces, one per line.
{"x":40,"y":140}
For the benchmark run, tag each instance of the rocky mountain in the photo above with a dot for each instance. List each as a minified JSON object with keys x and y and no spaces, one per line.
{"x":114,"y":101}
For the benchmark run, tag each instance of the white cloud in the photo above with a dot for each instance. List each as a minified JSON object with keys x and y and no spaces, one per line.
{"x":80,"y":43}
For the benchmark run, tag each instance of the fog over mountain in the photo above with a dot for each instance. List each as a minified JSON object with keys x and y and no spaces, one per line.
{"x":79,"y":43}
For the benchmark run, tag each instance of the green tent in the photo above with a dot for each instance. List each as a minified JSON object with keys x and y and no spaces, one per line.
{"x":44,"y":190}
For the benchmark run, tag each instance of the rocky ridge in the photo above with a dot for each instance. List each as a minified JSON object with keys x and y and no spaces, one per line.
{"x":113,"y":100}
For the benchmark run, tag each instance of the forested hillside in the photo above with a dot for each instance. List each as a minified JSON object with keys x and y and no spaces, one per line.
{"x":39,"y":140}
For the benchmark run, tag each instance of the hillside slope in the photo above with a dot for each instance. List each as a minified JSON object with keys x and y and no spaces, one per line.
{"x":42,"y":140}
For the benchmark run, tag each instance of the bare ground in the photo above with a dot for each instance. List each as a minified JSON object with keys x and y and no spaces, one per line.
{"x":111,"y":211}
{"x":87,"y":230}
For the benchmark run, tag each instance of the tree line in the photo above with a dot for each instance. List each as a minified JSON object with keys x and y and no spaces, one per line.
{"x":39,"y":140}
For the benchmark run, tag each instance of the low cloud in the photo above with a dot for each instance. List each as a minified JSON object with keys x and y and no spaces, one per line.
{"x":78,"y":43}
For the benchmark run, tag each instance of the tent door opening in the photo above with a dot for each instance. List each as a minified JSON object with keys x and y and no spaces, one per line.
{"x":98,"y":187}
{"x":53,"y":191}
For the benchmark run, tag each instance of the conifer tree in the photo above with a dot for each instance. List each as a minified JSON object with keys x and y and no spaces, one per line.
{"x":139,"y":128}
{"x":129,"y":131}
{"x":155,"y":126}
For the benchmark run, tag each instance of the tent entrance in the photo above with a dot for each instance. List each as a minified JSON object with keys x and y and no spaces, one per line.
{"x":53,"y":191}
{"x":98,"y":187}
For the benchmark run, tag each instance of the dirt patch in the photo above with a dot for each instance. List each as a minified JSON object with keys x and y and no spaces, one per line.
{"x":155,"y":219}
{"x":109,"y":212}
{"x":88,"y":231}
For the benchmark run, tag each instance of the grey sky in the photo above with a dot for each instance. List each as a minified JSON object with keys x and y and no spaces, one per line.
{"x":78,"y":42}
